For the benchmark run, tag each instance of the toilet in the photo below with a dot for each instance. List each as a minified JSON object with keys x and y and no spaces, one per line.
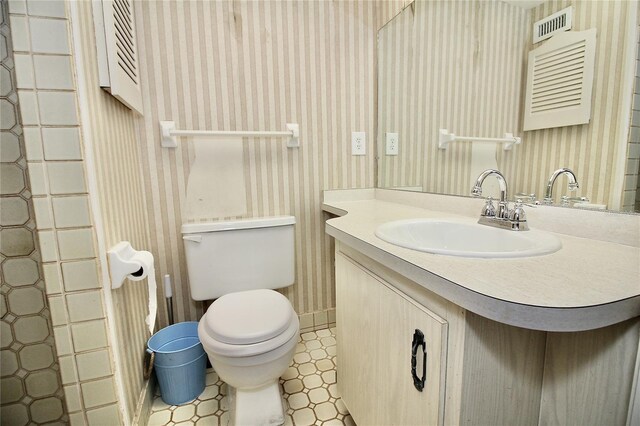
{"x":250,"y":331}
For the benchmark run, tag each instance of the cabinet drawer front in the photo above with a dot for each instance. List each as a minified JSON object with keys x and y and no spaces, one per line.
{"x":375,"y":326}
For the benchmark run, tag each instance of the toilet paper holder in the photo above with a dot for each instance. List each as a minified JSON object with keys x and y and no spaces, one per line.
{"x":123,"y":263}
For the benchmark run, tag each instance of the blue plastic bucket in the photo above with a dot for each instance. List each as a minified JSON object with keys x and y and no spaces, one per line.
{"x":180,"y":362}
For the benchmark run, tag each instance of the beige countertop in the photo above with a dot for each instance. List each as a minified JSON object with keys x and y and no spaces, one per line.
{"x":589,"y":283}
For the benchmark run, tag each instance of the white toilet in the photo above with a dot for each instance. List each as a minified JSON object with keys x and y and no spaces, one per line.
{"x":250,"y":332}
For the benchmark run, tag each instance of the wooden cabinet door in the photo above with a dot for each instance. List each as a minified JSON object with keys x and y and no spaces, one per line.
{"x":375,"y":328}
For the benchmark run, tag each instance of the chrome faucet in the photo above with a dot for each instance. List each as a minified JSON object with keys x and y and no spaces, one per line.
{"x":503,"y":206}
{"x":573,"y":183}
{"x":514,"y":219}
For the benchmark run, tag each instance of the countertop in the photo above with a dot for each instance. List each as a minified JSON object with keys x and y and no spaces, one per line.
{"x":589,"y":283}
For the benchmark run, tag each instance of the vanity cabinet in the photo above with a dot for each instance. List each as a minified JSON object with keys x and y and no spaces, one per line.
{"x":376,"y":346}
{"x":479,"y":371}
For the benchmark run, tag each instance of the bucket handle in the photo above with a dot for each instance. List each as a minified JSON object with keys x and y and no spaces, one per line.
{"x":148,"y":368}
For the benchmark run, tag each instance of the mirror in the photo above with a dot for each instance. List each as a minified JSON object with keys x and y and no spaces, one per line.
{"x":462,"y":66}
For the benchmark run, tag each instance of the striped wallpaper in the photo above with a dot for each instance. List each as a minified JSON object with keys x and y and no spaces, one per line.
{"x":589,"y":150}
{"x":453,"y":65}
{"x":122,"y":201}
{"x":235,"y":65}
{"x":470,"y":80}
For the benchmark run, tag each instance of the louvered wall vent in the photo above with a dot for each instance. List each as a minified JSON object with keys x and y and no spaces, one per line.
{"x":560,"y":81}
{"x":552,"y":24}
{"x":118,"y":71}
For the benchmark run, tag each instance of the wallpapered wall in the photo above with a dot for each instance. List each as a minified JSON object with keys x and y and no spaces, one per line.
{"x":590,"y":150}
{"x":234,"y":65}
{"x":112,"y":135}
{"x":472,"y":83}
{"x":451,"y":65}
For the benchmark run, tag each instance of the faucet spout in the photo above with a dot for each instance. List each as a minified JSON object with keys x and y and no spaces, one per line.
{"x":503,"y":207}
{"x":573,"y":183}
{"x":477,"y":188}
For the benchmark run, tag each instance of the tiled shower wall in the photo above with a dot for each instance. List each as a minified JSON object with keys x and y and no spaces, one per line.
{"x":31,"y":391}
{"x":57,"y":167}
{"x":631,"y":194}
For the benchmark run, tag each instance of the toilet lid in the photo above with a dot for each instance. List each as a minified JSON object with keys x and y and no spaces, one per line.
{"x":248,"y":317}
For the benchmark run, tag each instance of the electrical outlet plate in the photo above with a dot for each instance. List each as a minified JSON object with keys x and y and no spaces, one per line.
{"x":392,"y":143}
{"x":358,"y":143}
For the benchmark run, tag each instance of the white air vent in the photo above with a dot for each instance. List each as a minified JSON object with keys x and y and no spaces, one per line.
{"x":118,"y":71}
{"x":560,"y":81}
{"x":552,"y":24}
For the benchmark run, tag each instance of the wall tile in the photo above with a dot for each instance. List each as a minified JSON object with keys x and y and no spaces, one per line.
{"x":9,"y":148}
{"x":81,"y":275}
{"x":51,"y":278}
{"x":18,"y":272}
{"x":62,"y":336}
{"x":12,"y":178}
{"x":71,"y":211}
{"x":99,"y":392}
{"x":76,"y":244}
{"x":66,"y":177}
{"x":33,"y":143}
{"x":85,"y":306}
{"x":58,"y":108}
{"x":30,"y":329}
{"x":28,"y":107}
{"x":104,"y":415}
{"x":48,"y":8}
{"x":17,"y":6}
{"x":38,"y":179}
{"x":77,"y":419}
{"x":53,"y":72}
{"x":72,"y":398}
{"x":58,"y":311}
{"x":24,"y":71}
{"x":68,"y":370}
{"x":42,"y":209}
{"x":49,"y":36}
{"x":19,"y":33}
{"x":92,"y":365}
{"x":89,"y":335}
{"x":48,"y":249}
{"x":61,"y":143}
{"x":36,"y":357}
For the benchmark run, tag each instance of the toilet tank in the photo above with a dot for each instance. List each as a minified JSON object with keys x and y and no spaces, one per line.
{"x":225,"y":257}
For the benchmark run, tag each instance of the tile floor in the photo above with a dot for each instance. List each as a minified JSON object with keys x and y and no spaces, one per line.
{"x":308,"y":386}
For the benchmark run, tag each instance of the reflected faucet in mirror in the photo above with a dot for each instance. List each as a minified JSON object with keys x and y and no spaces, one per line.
{"x":514,"y":219}
{"x":573,"y":184}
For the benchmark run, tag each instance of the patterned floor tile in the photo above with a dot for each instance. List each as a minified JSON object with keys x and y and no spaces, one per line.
{"x":309,"y":388}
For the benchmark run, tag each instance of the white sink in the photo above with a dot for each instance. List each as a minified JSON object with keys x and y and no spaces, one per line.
{"x":466,"y":239}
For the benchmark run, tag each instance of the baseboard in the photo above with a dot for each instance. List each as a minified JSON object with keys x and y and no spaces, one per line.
{"x":318,"y":320}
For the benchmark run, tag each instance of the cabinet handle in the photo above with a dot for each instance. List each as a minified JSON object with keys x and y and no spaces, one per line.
{"x":418,"y":340}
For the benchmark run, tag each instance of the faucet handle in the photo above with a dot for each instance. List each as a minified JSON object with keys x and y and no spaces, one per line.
{"x":533,"y":206}
{"x":517,"y":214}
{"x":566,"y":201}
{"x":531,"y":198}
{"x":489,"y":209}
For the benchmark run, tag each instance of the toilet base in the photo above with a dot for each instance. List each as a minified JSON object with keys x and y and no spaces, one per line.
{"x":259,"y":406}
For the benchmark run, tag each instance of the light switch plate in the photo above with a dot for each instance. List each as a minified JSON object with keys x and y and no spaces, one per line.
{"x":392,"y":143}
{"x":358,"y":143}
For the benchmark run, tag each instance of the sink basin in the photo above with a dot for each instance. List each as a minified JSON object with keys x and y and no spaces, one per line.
{"x":466,"y":239}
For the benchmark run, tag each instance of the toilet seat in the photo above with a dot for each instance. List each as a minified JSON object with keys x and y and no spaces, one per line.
{"x":248,"y":323}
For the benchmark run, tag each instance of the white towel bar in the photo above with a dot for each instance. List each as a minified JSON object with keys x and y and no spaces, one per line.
{"x":445,"y":138}
{"x":170,"y":134}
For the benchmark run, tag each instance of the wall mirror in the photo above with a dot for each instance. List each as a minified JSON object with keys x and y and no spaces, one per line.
{"x":462,"y":66}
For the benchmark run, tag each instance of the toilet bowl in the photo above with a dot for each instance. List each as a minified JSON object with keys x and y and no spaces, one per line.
{"x":250,"y":338}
